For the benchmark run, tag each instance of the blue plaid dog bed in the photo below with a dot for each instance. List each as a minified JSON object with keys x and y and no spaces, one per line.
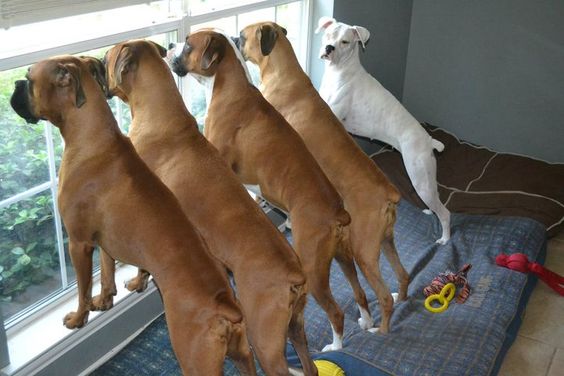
{"x":467,"y":339}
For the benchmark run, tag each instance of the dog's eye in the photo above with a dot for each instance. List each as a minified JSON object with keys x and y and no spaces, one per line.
{"x":345,"y":42}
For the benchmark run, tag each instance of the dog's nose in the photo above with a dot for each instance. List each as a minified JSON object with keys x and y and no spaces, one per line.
{"x":236,"y":40}
{"x":329,"y":48}
{"x":20,"y":101}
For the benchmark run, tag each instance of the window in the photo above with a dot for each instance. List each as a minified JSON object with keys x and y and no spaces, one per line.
{"x":35,"y":269}
{"x":288,"y":14}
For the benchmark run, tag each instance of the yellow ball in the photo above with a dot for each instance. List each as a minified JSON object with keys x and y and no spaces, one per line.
{"x":327,"y":368}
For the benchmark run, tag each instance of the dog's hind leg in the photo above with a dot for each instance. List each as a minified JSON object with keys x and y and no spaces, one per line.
{"x":298,"y":337}
{"x":316,"y":246}
{"x":81,"y":257}
{"x":239,"y":351}
{"x":421,"y":167}
{"x":105,"y":300}
{"x":267,"y":314}
{"x":391,"y":254}
{"x":345,"y":259}
{"x":367,"y":235}
{"x":140,"y":282}
{"x":199,"y":349}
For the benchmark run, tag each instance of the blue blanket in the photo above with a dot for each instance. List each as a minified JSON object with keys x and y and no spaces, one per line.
{"x":467,"y":339}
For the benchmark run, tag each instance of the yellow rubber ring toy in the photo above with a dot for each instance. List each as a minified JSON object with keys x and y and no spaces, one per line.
{"x":444,"y":297}
{"x":327,"y":368}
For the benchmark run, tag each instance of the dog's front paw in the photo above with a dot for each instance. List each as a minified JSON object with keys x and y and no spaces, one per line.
{"x":102,"y":303}
{"x":374,"y":330}
{"x":332,"y":347}
{"x":138,"y":284}
{"x":75,"y":320}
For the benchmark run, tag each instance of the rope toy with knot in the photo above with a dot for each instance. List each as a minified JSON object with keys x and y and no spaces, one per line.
{"x":458,"y":279}
{"x":520,"y":263}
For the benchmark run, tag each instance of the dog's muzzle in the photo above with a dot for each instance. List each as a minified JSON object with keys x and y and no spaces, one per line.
{"x":177,"y":66}
{"x":20,"y":102}
{"x":176,"y":53}
{"x":328,"y":49}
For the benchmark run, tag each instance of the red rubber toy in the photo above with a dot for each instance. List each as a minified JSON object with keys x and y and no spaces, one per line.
{"x":521,"y":263}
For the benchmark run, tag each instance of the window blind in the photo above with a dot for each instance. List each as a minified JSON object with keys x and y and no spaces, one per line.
{"x":19,"y":12}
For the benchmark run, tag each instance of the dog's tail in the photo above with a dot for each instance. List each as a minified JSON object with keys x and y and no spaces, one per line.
{"x":390,"y":216}
{"x":437,"y":145}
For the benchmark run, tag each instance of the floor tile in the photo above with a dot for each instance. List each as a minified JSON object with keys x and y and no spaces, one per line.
{"x":527,"y":357}
{"x":557,"y":365}
{"x":544,"y":318}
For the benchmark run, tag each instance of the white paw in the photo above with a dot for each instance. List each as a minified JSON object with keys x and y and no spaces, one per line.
{"x":374,"y":330}
{"x":365,"y":324}
{"x":395,"y":296}
{"x":442,"y":241}
{"x":295,"y":371}
{"x":288,"y":223}
{"x":332,"y":347}
{"x":427,"y":211}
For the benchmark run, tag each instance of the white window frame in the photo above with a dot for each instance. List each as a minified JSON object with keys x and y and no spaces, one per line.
{"x":180,"y":25}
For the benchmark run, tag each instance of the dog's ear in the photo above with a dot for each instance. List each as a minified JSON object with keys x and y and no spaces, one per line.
{"x":323,"y":23}
{"x":97,"y":70}
{"x":268,"y":36}
{"x":161,"y":49}
{"x":214,"y":52}
{"x":68,"y":75}
{"x":362,"y":34}
{"x":125,"y":62}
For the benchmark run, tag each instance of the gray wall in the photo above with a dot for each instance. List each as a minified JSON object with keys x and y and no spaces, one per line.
{"x":492,"y":72}
{"x":388,"y":22}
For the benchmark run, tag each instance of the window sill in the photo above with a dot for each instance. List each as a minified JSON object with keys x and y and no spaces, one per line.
{"x":32,"y":340}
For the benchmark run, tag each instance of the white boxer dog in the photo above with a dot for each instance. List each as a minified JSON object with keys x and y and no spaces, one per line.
{"x":367,"y":109}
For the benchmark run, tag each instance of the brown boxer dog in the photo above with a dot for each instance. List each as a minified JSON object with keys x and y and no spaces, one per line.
{"x":368,"y":195}
{"x":268,"y":275}
{"x":264,"y":151}
{"x":107,"y":196}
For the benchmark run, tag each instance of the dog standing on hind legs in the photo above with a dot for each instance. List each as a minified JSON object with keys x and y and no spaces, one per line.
{"x":265,"y":152}
{"x":367,"y":109}
{"x":367,"y":194}
{"x":107,"y":196}
{"x":271,"y":286}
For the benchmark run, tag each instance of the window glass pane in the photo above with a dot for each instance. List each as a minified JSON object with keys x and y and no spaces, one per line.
{"x":289,"y":16}
{"x":42,"y":35}
{"x":204,"y":6}
{"x":23,"y":151}
{"x":227,"y":24}
{"x":29,"y":258}
{"x":29,"y":261}
{"x":195,"y":100}
{"x":260,"y":15}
